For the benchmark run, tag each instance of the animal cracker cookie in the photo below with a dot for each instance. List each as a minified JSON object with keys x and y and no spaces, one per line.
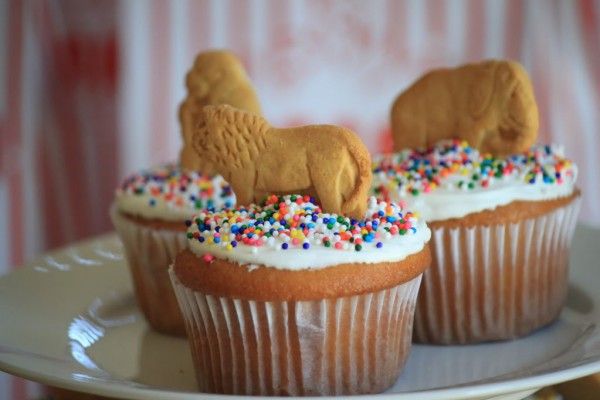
{"x":217,"y":77}
{"x":325,"y":161}
{"x":490,"y":104}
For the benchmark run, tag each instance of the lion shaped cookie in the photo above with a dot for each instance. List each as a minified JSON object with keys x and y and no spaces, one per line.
{"x":490,"y":104}
{"x":325,"y":161}
{"x":217,"y":77}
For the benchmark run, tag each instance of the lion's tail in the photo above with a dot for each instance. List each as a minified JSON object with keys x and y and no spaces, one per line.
{"x":355,"y":206}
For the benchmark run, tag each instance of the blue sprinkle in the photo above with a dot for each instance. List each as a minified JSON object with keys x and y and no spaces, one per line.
{"x":217,"y":229}
{"x":315,"y":218}
{"x":233,"y":243}
{"x":284,"y":246}
{"x":379,"y":245}
{"x":217,"y":240}
{"x":305,"y":246}
{"x":201,"y":239}
{"x":152,"y":202}
{"x":413,"y":229}
{"x":234,"y":228}
{"x":188,"y":223}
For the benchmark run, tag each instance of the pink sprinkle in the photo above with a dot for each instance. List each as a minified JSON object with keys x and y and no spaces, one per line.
{"x":295,"y":241}
{"x":208,"y":258}
{"x":338,"y":245}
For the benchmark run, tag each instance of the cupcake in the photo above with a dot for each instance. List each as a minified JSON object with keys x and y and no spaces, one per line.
{"x":151,"y":207}
{"x":501,"y":232}
{"x":502,"y":210}
{"x":283,"y":298}
{"x":149,"y":214}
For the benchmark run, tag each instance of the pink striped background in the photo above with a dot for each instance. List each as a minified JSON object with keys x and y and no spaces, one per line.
{"x":88,"y":89}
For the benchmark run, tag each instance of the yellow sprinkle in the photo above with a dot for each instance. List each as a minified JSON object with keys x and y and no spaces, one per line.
{"x":210,"y":239}
{"x":229,"y":247}
{"x":225,"y":238}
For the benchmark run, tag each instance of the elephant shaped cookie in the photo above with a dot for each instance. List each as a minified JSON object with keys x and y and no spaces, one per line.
{"x":490,"y":104}
{"x":325,"y":161}
{"x":217,"y":77}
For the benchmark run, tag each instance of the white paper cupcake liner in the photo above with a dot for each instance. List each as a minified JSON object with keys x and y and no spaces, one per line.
{"x":348,"y":345}
{"x":495,"y":282}
{"x":149,"y":252}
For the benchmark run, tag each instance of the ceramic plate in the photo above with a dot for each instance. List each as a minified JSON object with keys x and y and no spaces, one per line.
{"x":69,"y":319}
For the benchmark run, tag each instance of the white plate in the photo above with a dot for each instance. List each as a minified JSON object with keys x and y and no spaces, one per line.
{"x":69,"y":319}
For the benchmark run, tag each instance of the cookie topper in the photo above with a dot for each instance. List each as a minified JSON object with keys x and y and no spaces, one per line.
{"x":490,"y":104}
{"x":217,"y":77}
{"x":325,"y":161}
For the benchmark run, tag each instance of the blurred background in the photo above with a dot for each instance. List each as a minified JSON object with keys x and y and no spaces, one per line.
{"x":89,"y":89}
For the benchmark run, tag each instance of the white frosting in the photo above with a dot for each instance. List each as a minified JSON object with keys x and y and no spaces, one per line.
{"x":449,"y":200}
{"x":169,"y":194}
{"x":393,"y":247}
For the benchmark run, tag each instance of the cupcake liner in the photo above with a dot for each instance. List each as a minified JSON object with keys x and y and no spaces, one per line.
{"x":347,"y":345}
{"x":495,"y":282}
{"x":149,"y":252}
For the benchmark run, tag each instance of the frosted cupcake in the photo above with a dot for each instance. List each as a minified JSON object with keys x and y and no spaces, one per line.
{"x":283,"y":299}
{"x":501,"y":233}
{"x":149,"y":214}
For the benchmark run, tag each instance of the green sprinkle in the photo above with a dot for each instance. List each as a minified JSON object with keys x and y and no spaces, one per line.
{"x":358,"y":247}
{"x":402,"y":231}
{"x":471,"y":185}
{"x":190,"y":235}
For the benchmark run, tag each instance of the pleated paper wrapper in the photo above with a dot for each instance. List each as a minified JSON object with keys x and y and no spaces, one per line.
{"x":347,"y":345}
{"x":496,"y":282}
{"x":149,"y":252}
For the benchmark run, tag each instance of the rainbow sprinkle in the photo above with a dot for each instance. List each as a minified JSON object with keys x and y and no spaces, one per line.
{"x":454,"y":165}
{"x":293,"y":221}
{"x":177,"y":188}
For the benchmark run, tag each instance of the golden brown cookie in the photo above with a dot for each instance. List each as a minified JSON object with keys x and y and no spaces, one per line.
{"x":490,"y":104}
{"x":325,"y":161}
{"x":217,"y":77}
